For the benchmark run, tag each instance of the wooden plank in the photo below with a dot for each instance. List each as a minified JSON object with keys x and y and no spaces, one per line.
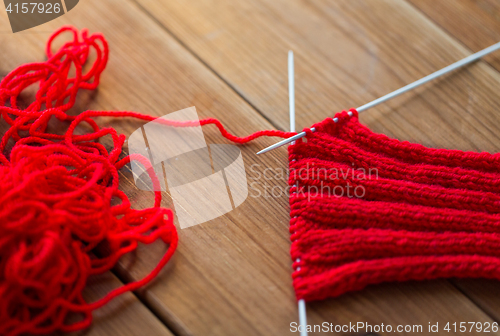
{"x":125,"y":315}
{"x":347,"y":53}
{"x":484,"y":293}
{"x":341,"y":64}
{"x":475,"y":23}
{"x":232,"y":275}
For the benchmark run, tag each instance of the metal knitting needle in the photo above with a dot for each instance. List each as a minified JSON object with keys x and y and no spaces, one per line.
{"x":291,"y":102}
{"x":428,"y":78}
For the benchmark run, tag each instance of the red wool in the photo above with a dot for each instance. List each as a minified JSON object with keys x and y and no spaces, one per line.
{"x":59,"y":196}
{"x":412,"y":213}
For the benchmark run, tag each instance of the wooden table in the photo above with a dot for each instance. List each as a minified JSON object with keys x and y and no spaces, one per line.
{"x":231,"y":275}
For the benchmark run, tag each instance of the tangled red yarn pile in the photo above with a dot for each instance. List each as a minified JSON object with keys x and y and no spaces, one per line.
{"x":59,"y":196}
{"x":56,"y":196}
{"x":367,"y":209}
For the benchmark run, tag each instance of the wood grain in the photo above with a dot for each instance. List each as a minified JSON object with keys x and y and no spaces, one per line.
{"x":347,"y":54}
{"x":125,"y":315}
{"x":475,"y":23}
{"x":484,"y":293}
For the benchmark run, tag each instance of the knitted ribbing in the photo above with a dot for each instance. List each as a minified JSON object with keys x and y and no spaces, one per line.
{"x":367,"y":209}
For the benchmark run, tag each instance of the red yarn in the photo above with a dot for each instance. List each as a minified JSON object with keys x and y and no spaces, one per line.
{"x":426,"y":214}
{"x":59,"y":196}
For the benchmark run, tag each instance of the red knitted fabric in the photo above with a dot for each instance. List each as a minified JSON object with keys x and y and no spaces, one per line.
{"x":59,"y":196}
{"x":367,"y":209}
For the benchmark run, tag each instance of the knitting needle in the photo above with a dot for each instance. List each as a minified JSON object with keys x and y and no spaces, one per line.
{"x":291,"y":90}
{"x":291,"y":102}
{"x":449,"y":68}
